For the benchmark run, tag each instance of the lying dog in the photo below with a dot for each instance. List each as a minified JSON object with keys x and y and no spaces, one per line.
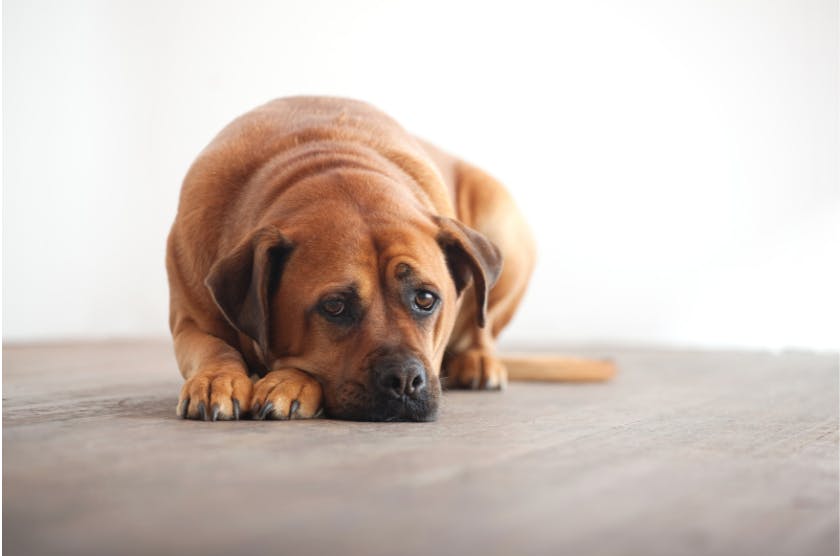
{"x":321,"y":247}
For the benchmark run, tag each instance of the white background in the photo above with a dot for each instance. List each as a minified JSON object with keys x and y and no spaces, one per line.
{"x":678,"y":159}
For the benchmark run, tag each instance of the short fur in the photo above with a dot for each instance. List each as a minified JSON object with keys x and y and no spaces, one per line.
{"x":306,"y":198}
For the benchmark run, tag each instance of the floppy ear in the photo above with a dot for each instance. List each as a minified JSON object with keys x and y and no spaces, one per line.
{"x":470,"y":255}
{"x":241,"y":282}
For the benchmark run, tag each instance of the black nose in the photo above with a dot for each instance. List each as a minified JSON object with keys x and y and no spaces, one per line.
{"x":398,"y":376}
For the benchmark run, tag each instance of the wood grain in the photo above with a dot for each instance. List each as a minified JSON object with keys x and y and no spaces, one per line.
{"x":684,"y":452}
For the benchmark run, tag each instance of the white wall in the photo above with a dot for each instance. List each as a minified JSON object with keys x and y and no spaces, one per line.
{"x":678,"y":159}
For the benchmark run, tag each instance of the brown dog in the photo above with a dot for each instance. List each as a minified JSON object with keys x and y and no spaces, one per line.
{"x":322,"y":248}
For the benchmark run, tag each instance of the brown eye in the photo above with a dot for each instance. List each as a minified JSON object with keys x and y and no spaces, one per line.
{"x":333,"y":307}
{"x":425,"y":300}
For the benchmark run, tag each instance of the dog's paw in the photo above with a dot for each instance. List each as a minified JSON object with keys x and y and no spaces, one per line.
{"x":475,"y":369}
{"x":287,"y":394}
{"x":215,"y":394}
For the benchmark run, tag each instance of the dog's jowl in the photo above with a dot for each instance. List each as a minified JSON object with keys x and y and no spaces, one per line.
{"x":323,"y":261}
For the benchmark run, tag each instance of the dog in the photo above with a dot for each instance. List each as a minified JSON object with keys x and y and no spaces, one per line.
{"x":341,"y":263}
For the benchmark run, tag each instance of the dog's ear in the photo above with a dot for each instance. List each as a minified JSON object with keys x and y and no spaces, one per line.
{"x":241,"y":283}
{"x":470,"y":255}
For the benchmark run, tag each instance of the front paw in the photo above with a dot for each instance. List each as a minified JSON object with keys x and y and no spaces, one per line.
{"x":476,"y":369}
{"x":287,"y":394}
{"x":215,"y":394}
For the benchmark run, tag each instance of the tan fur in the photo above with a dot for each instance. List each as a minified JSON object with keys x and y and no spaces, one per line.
{"x":302,"y":195}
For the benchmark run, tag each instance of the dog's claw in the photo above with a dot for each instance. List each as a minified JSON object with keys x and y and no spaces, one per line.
{"x":208,"y":395}
{"x":286,"y":394}
{"x":266,"y":410}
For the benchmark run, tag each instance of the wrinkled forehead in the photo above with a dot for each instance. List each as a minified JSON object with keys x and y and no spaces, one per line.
{"x":340,"y":253}
{"x":402,"y":250}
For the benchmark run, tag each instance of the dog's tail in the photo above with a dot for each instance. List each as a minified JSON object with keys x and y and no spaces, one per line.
{"x":557,"y":368}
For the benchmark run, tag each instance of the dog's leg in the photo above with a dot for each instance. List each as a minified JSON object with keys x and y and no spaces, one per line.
{"x":484,"y":205}
{"x":217,"y":385}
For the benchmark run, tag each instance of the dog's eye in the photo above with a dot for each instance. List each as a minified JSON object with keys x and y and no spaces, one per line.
{"x":333,"y":307}
{"x":425,"y":300}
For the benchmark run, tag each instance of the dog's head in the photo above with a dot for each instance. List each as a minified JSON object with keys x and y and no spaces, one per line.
{"x":360,"y":293}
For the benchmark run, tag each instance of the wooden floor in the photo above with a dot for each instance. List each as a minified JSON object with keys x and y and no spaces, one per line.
{"x":683,"y":453}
